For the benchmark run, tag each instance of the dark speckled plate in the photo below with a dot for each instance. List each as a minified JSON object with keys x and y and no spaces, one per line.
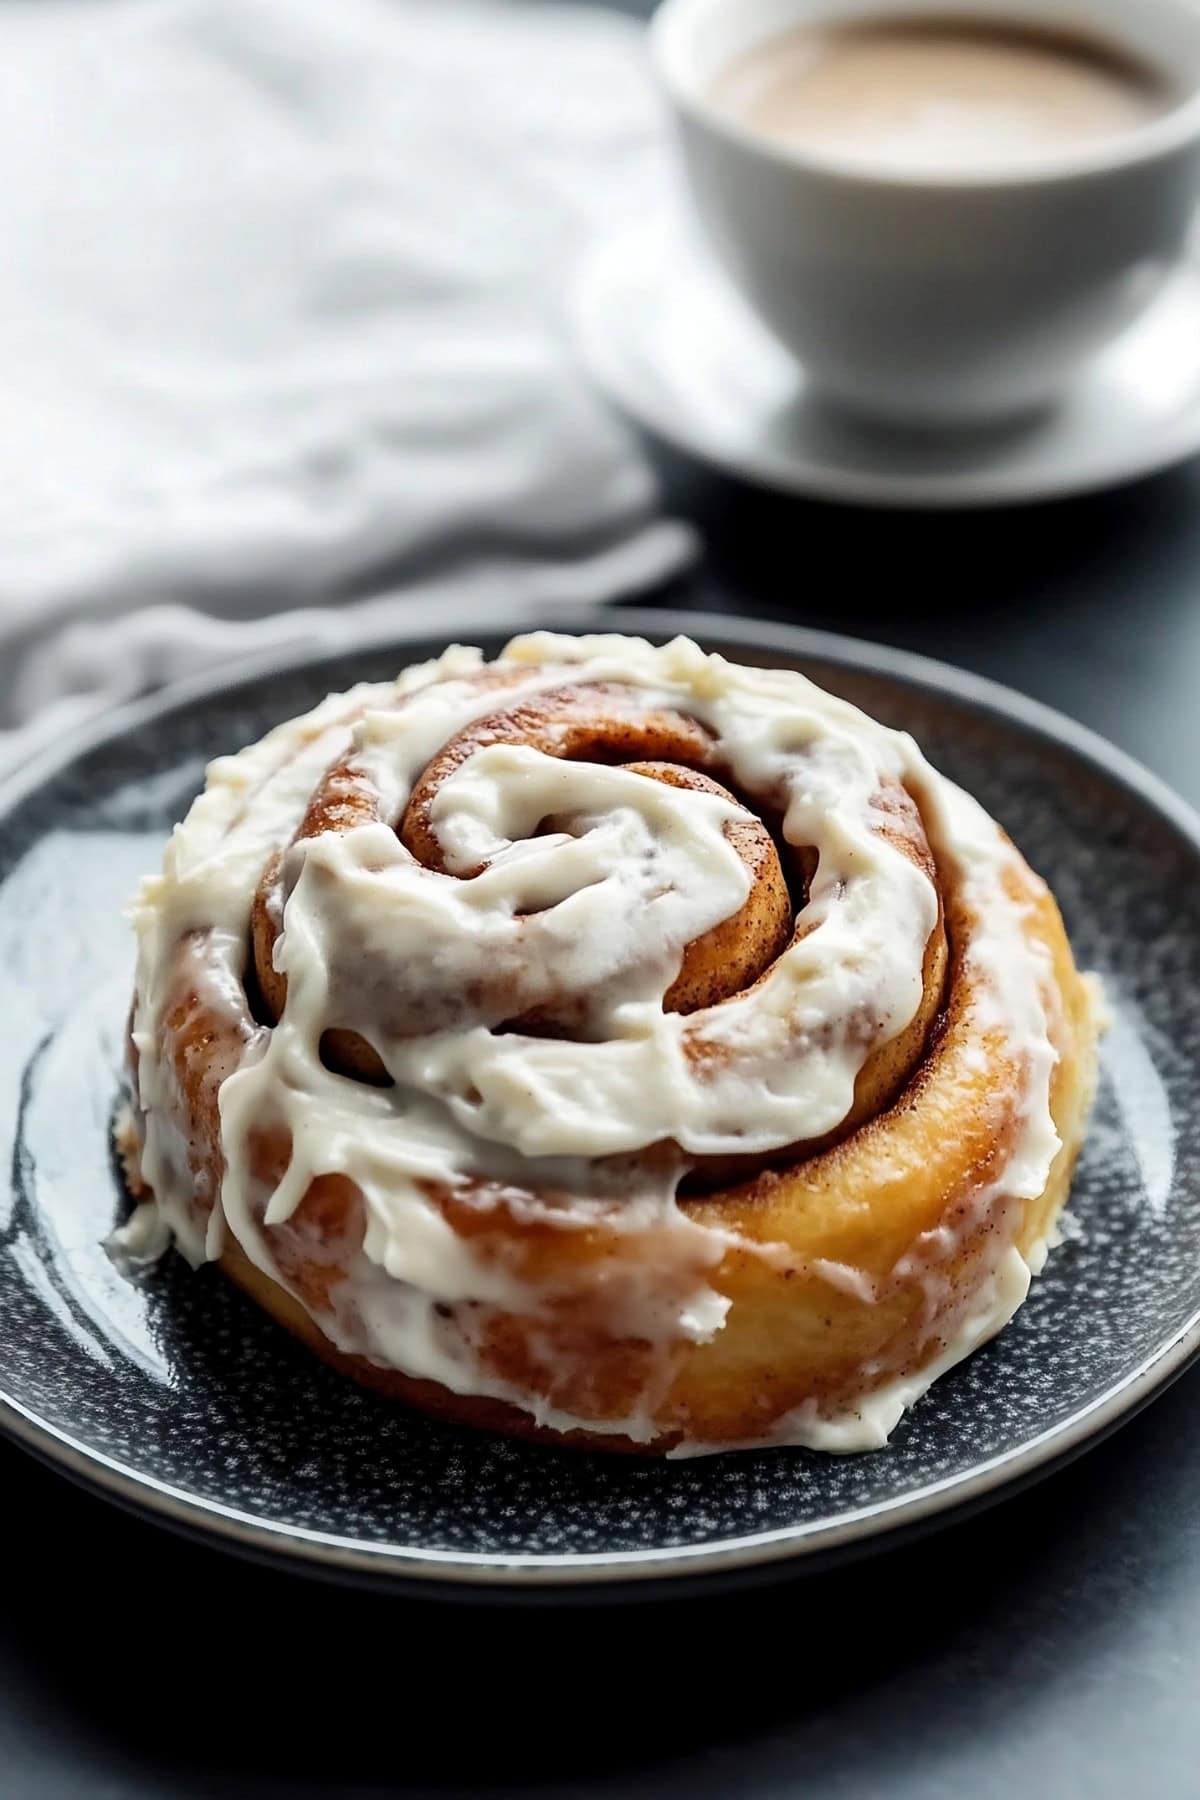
{"x":173,"y":1394}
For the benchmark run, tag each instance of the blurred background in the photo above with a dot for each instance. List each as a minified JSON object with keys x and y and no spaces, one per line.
{"x":287,"y":297}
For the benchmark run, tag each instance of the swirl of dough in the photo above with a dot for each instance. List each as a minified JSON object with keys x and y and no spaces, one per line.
{"x":613,"y":1042}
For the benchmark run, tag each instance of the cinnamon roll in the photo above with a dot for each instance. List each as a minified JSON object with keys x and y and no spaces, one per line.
{"x":612,"y":1043}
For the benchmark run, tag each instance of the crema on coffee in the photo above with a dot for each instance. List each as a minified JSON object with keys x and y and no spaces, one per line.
{"x":938,"y":95}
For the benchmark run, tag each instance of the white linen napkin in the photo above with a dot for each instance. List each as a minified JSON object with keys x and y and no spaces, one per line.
{"x":282,"y":300}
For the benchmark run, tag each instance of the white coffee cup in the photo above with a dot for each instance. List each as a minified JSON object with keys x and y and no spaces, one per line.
{"x":928,"y":299}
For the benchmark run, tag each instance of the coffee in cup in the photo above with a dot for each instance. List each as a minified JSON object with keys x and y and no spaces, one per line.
{"x":942,"y":216}
{"x":938,"y":94}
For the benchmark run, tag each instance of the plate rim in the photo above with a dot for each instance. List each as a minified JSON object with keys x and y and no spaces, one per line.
{"x":802,"y":475}
{"x":813,"y":1545}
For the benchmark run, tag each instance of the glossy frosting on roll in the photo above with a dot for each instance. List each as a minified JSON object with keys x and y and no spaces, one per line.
{"x":565,"y":964}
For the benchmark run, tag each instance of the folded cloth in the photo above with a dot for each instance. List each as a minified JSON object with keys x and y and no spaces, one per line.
{"x":283,"y":302}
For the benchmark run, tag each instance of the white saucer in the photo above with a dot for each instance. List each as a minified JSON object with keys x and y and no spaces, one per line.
{"x":667,"y":338}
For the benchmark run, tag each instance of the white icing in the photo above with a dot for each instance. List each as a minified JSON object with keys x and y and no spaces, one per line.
{"x":142,"y":1239}
{"x":598,"y":908}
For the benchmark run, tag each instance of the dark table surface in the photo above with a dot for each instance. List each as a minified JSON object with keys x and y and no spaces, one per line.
{"x":1049,"y":1647}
